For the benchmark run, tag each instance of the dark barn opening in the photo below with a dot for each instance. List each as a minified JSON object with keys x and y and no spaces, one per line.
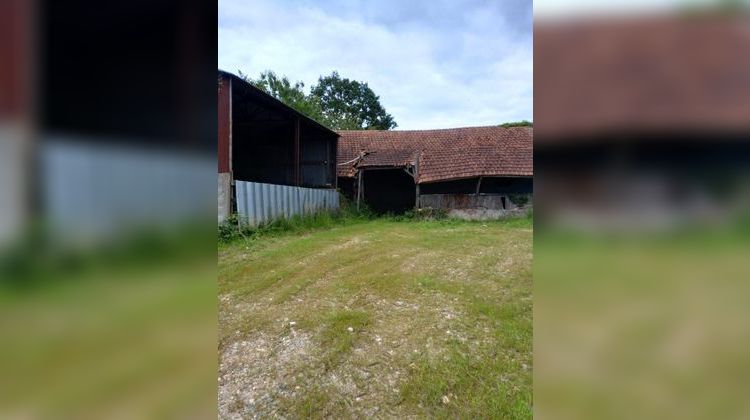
{"x":487,"y":185}
{"x":273,"y":144}
{"x":388,"y":190}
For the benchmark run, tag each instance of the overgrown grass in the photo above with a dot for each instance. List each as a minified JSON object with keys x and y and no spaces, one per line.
{"x":235,"y":228}
{"x":438,"y":308}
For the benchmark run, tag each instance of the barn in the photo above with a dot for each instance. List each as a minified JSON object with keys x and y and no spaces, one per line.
{"x":635,"y":133}
{"x":471,"y":171}
{"x":273,"y":160}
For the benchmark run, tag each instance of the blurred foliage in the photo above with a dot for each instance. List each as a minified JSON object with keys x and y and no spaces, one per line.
{"x":124,"y":328}
{"x":642,"y":325}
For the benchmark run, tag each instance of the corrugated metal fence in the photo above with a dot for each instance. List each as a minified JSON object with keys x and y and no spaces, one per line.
{"x":258,"y":203}
{"x":92,"y":189}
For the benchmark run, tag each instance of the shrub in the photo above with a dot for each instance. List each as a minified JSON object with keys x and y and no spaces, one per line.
{"x":519,"y":200}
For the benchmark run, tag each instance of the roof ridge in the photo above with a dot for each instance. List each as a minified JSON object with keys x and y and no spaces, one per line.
{"x":432,"y":129}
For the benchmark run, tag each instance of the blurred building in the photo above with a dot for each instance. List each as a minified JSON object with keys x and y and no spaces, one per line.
{"x":273,"y":160}
{"x":641,"y":120}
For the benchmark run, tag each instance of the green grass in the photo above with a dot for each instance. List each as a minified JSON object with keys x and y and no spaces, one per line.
{"x":438,"y":308}
{"x":336,"y":338}
{"x":644,"y":325}
{"x":125,"y":330}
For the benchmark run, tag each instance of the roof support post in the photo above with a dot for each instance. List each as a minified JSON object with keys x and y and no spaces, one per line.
{"x":417,"y":201}
{"x":360,"y":173}
{"x":297,"y":168}
{"x":479,"y":185}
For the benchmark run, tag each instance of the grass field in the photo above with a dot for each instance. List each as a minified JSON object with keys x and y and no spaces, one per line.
{"x":110,"y":333}
{"x":378,"y":318}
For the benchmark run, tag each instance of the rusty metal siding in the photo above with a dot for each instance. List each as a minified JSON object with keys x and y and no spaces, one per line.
{"x":225,"y":128}
{"x":15,"y":38}
{"x":259,"y":203}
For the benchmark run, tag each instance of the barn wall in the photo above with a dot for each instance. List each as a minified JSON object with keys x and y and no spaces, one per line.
{"x":224,"y":123}
{"x":94,"y":191}
{"x":472,"y":206}
{"x":464,"y":201}
{"x":260,"y":203}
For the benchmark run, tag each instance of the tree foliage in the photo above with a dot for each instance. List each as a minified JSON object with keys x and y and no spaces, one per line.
{"x":338,"y":103}
{"x":292,"y":94}
{"x":351,"y":105}
{"x":523,"y":123}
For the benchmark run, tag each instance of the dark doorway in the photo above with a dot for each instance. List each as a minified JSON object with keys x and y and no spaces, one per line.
{"x":389,"y":190}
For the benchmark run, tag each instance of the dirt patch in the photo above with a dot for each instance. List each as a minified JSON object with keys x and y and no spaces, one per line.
{"x":252,"y":372}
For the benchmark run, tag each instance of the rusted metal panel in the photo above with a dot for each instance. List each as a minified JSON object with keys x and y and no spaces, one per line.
{"x":259,"y":203}
{"x":225,"y":126}
{"x":15,"y":37}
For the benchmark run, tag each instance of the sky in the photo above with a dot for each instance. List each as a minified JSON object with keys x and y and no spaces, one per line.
{"x":568,"y":8}
{"x":434,"y":64}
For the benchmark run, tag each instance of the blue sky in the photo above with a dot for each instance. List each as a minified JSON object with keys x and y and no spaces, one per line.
{"x":435,"y":64}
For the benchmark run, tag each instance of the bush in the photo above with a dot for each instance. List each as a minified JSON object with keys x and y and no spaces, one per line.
{"x":519,"y":200}
{"x":234,"y":228}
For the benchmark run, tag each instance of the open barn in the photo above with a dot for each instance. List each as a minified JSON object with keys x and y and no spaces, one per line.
{"x":273,"y":160}
{"x":471,"y":171}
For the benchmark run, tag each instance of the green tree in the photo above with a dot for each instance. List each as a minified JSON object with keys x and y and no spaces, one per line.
{"x":292,"y":94}
{"x":350,"y":104}
{"x":523,"y":123}
{"x":340,"y":104}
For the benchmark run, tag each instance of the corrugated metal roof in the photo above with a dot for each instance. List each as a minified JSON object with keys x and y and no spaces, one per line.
{"x":271,"y":101}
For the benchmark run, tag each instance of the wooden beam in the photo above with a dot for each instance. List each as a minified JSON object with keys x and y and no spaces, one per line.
{"x":297,"y":169}
{"x":417,"y":203}
{"x":359,"y":187}
{"x":479,"y":185}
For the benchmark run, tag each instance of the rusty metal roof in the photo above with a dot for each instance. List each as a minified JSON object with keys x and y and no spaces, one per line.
{"x":440,"y":154}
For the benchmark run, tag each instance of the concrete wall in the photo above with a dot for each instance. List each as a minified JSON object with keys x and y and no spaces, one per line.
{"x":472,"y":206}
{"x":225,"y":196}
{"x":13,"y":183}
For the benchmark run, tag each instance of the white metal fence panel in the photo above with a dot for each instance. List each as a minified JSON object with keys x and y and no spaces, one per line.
{"x":259,"y":203}
{"x":98,"y":190}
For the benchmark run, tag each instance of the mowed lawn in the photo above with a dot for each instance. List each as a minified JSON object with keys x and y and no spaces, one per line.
{"x":378,"y":318}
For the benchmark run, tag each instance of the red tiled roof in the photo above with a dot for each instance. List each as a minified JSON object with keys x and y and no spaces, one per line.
{"x":441,"y":154}
{"x":659,"y":73}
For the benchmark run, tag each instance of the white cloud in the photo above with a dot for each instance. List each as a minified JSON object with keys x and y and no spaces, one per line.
{"x":440,"y":75}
